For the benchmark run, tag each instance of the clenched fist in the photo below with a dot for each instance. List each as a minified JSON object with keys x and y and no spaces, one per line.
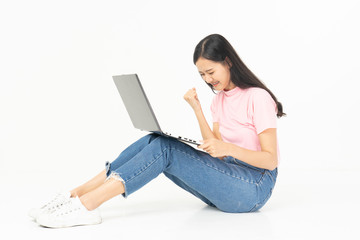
{"x":192,"y":98}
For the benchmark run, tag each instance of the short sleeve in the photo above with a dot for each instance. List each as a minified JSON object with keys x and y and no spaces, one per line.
{"x":214,"y":109}
{"x":264,"y":110}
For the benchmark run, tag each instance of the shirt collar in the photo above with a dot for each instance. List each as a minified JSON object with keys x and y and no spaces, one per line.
{"x":232,"y":92}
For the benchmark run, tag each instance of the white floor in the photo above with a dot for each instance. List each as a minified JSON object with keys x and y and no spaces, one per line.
{"x":305,"y":205}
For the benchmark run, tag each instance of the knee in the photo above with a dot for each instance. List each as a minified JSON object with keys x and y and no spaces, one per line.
{"x":162,"y":140}
{"x":235,"y":207}
{"x":147,"y":139}
{"x":151,"y":136}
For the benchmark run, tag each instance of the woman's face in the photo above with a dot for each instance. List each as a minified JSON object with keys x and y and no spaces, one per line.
{"x":215,"y":73}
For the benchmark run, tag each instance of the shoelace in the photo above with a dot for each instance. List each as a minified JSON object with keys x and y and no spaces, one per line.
{"x":66,"y":208}
{"x":57,"y":202}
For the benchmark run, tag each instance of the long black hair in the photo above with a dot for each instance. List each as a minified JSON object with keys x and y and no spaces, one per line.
{"x":216,"y":48}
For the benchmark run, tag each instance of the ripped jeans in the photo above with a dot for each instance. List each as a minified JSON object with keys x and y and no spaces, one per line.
{"x":229,"y":184}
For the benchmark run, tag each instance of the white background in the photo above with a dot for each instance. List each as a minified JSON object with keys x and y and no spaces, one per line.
{"x":61,"y":116}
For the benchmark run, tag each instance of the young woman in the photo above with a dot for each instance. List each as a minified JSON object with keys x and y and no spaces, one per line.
{"x":235,"y":172}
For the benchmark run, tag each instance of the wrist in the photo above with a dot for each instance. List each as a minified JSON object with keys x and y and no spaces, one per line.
{"x":197,"y":109}
{"x":231,"y":150}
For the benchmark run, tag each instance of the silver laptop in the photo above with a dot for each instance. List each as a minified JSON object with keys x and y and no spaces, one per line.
{"x":139,"y":108}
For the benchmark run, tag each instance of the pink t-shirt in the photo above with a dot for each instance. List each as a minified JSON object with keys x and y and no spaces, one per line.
{"x":242,"y":114}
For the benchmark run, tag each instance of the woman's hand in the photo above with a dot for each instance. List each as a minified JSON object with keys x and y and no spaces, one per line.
{"x":215,"y":147}
{"x":192,"y":98}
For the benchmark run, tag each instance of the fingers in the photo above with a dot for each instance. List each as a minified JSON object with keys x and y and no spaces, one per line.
{"x":190,"y":94}
{"x":192,"y":99}
{"x":208,"y":146}
{"x":204,"y":146}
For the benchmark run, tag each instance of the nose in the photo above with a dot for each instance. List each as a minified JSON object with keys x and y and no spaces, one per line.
{"x":207,"y":78}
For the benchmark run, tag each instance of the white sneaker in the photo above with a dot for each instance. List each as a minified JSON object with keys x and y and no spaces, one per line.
{"x":72,"y":213}
{"x":56,"y":202}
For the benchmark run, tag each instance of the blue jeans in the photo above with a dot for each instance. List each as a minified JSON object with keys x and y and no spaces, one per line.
{"x":229,"y":184}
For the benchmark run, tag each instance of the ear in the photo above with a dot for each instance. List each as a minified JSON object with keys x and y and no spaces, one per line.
{"x":228,"y":61}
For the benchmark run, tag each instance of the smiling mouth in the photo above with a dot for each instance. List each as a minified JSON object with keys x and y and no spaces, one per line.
{"x":215,"y":84}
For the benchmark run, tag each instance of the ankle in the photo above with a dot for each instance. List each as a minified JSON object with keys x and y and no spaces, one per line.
{"x":87,"y":203}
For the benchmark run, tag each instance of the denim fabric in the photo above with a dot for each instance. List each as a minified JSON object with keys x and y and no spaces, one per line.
{"x":228,"y":184}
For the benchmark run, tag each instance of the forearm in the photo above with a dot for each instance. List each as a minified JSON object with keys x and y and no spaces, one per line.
{"x":260,"y":159}
{"x":206,"y":131}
